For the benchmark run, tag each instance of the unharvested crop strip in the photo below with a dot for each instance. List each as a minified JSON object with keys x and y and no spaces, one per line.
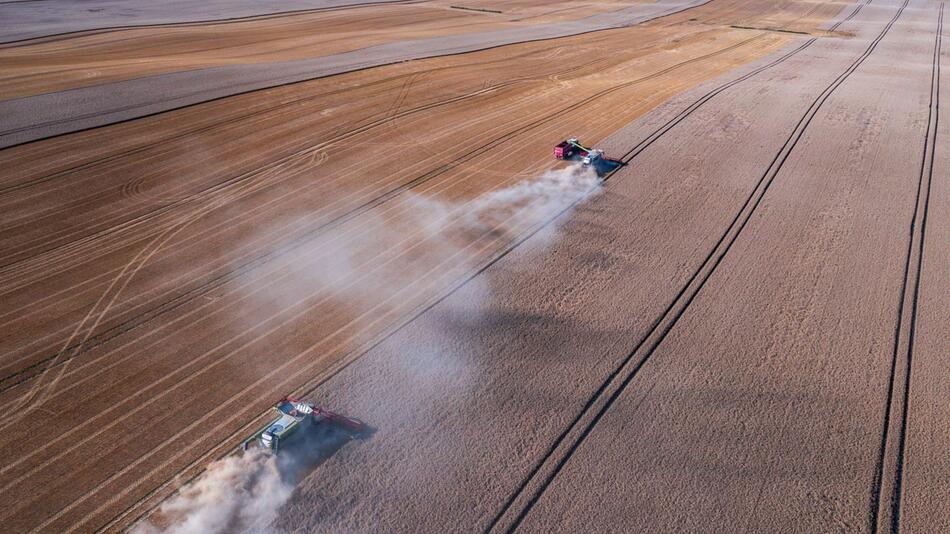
{"x":664,"y":324}
{"x":906,"y":325}
{"x":75,"y":350}
{"x":780,"y":30}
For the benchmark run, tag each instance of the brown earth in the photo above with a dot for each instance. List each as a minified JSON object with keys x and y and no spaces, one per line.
{"x":165,"y":279}
{"x":36,"y":117}
{"x":21,"y":20}
{"x":99,"y":56}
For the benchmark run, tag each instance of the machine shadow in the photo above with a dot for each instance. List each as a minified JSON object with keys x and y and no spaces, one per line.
{"x":318,"y":444}
{"x":605,"y":166}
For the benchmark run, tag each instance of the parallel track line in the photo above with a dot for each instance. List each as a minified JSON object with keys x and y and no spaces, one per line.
{"x":906,"y":327}
{"x":673,"y":312}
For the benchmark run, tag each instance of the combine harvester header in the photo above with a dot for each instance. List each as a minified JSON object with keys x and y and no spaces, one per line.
{"x":295,"y":417}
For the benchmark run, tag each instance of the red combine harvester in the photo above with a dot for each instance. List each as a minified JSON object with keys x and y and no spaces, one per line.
{"x":569,"y":147}
{"x":294,"y":415}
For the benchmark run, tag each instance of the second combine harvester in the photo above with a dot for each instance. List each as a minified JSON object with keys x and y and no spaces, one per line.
{"x":569,"y":147}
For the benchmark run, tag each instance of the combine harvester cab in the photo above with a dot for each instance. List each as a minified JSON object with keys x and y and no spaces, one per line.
{"x":592,"y":157}
{"x":296,"y":418}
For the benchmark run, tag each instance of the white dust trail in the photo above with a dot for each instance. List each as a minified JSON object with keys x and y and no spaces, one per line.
{"x":246,"y":493}
{"x":235,"y":494}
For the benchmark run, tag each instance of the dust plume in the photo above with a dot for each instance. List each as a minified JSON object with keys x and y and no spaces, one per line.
{"x":237,"y":493}
{"x":376,"y":260}
{"x":533,"y":201}
{"x":398,"y":245}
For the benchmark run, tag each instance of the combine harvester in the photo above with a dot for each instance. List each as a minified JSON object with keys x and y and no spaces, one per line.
{"x":298,"y":418}
{"x":571,"y":147}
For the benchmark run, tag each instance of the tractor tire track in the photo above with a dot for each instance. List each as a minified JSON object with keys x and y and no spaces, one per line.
{"x":885,"y":503}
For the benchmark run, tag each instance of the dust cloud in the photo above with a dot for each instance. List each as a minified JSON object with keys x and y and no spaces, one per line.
{"x":418,"y":238}
{"x":235,"y":494}
{"x":245,"y":493}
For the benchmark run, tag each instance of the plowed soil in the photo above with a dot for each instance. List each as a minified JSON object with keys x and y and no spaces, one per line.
{"x":744,"y":328}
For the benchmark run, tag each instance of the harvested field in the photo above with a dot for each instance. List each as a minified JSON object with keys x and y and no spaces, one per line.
{"x":743,"y":328}
{"x":95,"y":57}
{"x":23,"y":21}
